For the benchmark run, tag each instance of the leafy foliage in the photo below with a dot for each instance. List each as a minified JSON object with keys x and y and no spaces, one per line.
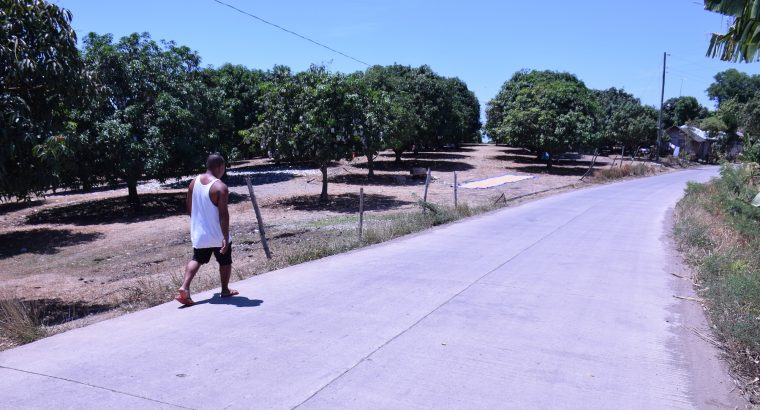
{"x":40,"y":74}
{"x":241,"y":91}
{"x":150,"y":117}
{"x":742,"y":40}
{"x":688,"y":109}
{"x":625,"y":121}
{"x":544,"y":111}
{"x":150,"y":111}
{"x":733,"y":84}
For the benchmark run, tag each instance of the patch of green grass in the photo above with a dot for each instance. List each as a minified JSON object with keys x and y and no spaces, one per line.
{"x":377,"y":229}
{"x":719,"y":231}
{"x":331,"y":222}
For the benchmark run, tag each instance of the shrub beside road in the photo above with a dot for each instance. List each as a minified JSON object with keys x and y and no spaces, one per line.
{"x":719,"y":231}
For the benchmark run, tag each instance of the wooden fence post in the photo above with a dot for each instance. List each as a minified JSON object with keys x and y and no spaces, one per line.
{"x":258,"y":218}
{"x":622,"y":155}
{"x":361,"y":212}
{"x":591,"y":166}
{"x":455,"y":190}
{"x":427,"y":183}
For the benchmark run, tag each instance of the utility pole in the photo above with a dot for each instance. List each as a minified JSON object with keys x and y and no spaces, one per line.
{"x":659,"y":118}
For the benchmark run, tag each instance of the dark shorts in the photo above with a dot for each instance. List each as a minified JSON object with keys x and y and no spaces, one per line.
{"x":203,"y":255}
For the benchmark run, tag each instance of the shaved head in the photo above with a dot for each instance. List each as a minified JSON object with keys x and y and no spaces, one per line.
{"x":214,"y":161}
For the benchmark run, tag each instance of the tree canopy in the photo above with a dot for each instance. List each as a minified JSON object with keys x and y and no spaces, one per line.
{"x":40,"y":79}
{"x":624,"y":121}
{"x":321,"y":117}
{"x":135,"y":109}
{"x":151,"y":116}
{"x":680,"y":110}
{"x":545,"y":111}
{"x":734,"y":84}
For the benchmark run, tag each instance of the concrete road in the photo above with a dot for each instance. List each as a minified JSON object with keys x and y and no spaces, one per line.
{"x":565,"y":302}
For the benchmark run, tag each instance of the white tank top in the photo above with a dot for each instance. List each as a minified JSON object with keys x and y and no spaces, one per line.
{"x":205,"y":230}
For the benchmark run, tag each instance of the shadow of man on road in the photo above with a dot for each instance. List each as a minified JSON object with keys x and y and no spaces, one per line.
{"x":239,"y":301}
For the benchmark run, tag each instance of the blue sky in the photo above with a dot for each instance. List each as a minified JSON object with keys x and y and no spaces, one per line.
{"x":605,"y":43}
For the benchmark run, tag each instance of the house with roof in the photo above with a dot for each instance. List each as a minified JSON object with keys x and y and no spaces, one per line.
{"x":692,"y":141}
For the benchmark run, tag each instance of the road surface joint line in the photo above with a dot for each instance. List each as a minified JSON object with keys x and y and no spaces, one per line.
{"x":363,"y":359}
{"x":94,"y":386}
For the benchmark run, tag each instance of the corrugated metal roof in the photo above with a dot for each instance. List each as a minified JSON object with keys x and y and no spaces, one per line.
{"x":699,"y":135}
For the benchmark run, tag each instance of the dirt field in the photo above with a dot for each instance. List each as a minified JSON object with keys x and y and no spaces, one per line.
{"x":86,"y":249}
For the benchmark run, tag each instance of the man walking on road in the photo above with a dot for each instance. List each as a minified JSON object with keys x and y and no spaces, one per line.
{"x":206,"y":203}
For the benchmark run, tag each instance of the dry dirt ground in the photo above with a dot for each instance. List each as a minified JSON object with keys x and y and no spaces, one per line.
{"x":86,"y":249}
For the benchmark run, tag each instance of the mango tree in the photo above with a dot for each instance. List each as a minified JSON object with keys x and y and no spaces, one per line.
{"x":544,"y":111}
{"x":41,"y":78}
{"x":623,"y":120}
{"x":151,"y":117}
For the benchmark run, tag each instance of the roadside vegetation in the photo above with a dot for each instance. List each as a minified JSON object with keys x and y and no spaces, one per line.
{"x":88,"y":118}
{"x":24,"y":322}
{"x":625,"y":171}
{"x":718,"y":229}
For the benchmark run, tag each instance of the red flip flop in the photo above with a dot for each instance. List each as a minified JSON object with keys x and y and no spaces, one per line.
{"x":232,"y":293}
{"x":184,"y":298}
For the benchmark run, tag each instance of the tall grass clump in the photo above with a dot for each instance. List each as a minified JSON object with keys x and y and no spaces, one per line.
{"x":624,"y":171}
{"x":719,"y":231}
{"x":20,"y":321}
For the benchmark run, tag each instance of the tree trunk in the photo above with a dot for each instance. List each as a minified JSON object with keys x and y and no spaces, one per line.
{"x":370,"y":165}
{"x":133,"y":199}
{"x":323,"y":195}
{"x":398,"y":154}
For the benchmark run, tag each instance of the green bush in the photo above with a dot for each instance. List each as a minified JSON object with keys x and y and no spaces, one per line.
{"x":719,"y":230}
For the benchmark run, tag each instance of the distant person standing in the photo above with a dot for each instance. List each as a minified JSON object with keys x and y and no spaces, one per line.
{"x":206,"y":203}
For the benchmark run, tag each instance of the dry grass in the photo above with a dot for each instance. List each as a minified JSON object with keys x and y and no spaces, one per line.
{"x":327,"y":237}
{"x":625,"y":171}
{"x":343,"y":235}
{"x":20,"y":322}
{"x":720,"y":237}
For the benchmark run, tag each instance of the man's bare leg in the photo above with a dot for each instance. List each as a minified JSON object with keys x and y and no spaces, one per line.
{"x":224,"y":275}
{"x":190,"y":270}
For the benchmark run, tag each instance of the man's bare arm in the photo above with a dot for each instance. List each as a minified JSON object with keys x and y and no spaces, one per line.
{"x":189,"y":198}
{"x":224,"y":214}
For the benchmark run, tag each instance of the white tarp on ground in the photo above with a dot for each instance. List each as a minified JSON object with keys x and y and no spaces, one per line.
{"x":495,"y":181}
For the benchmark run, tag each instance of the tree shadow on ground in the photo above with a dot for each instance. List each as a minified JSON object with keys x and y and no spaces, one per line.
{"x":380,"y":179}
{"x":517,"y":151}
{"x":272,"y":166}
{"x":17,"y":206}
{"x":343,"y":203}
{"x":427,"y":155}
{"x":519,"y":159}
{"x":42,"y":241}
{"x":118,"y":209}
{"x":461,"y":148}
{"x":436,"y":166}
{"x":238,"y":180}
{"x":95,"y":189}
{"x":257,"y":179}
{"x":555,"y":170}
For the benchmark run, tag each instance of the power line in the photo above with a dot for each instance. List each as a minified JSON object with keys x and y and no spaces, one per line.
{"x":290,"y":32}
{"x":685,"y":74}
{"x":702,"y":66}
